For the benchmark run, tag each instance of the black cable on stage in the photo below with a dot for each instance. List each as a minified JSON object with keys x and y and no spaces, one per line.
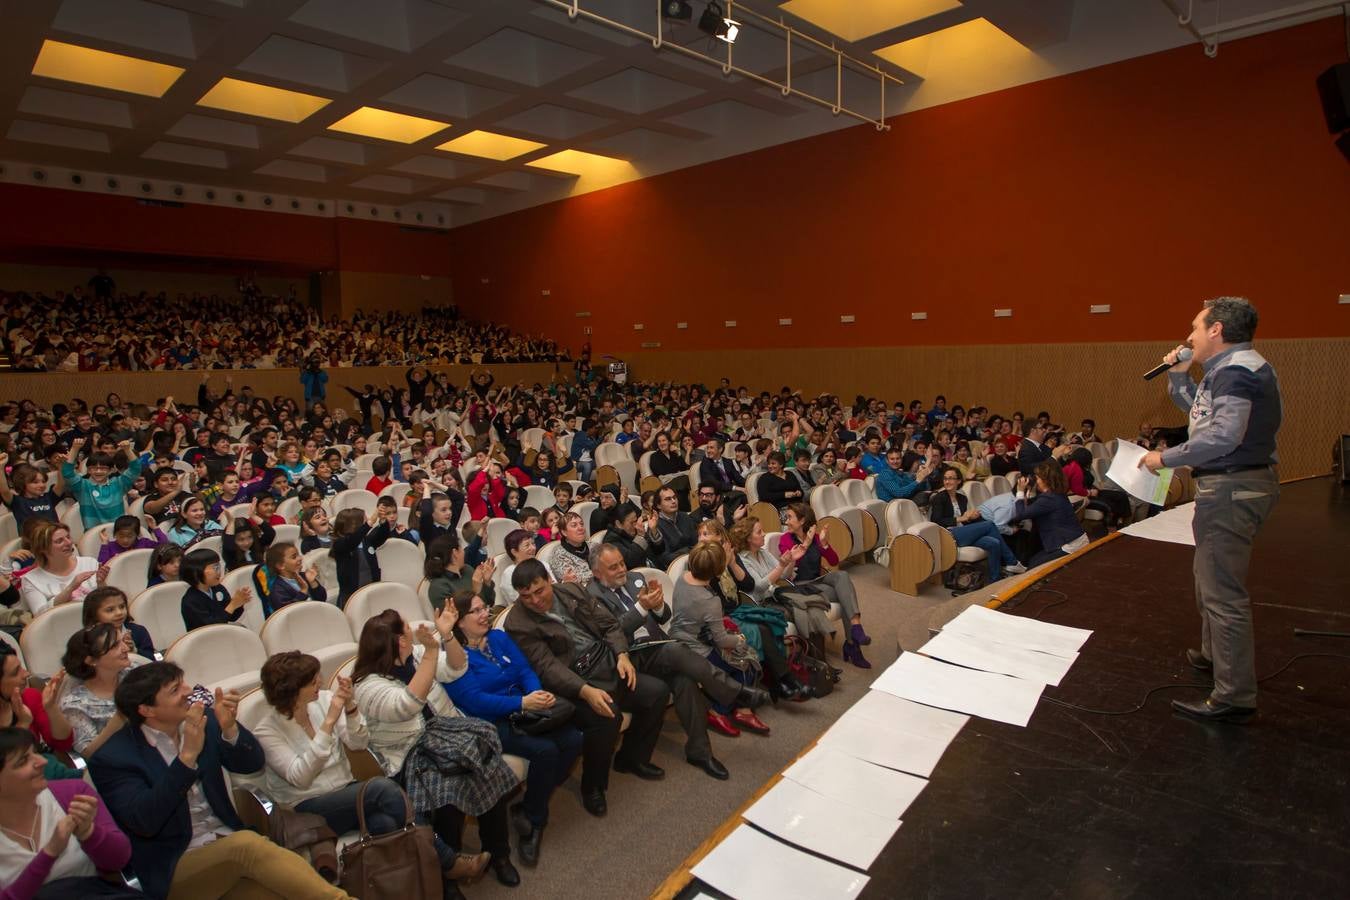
{"x":1163,"y":687}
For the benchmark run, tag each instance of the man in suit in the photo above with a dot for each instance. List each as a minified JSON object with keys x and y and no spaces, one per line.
{"x":717,"y":471}
{"x":162,"y":778}
{"x":579,"y":652}
{"x":642,"y":613}
{"x":1033,"y":451}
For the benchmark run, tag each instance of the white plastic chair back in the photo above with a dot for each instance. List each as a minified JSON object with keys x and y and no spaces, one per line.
{"x":375,"y":598}
{"x":319,"y":629}
{"x":678,"y":566}
{"x":242,"y":577}
{"x":160,"y":610}
{"x":545,"y":554}
{"x":771,"y":540}
{"x":137,"y":507}
{"x":826,"y":500}
{"x":398,"y":490}
{"x":998,"y":484}
{"x":752,"y":488}
{"x":253,"y":708}
{"x":287,"y":534}
{"x":9,"y":528}
{"x":976,"y":491}
{"x":127,"y":570}
{"x":401,"y":562}
{"x":855,"y":491}
{"x":93,"y":540}
{"x":71,"y":519}
{"x":356,"y":498}
{"x":497,"y":530}
{"x":538,"y":496}
{"x":238,"y":511}
{"x":645,"y":464}
{"x":532,"y":438}
{"x":321,"y":560}
{"x":214,"y":543}
{"x":289,"y":509}
{"x":219,"y":656}
{"x":901,"y":515}
{"x":44,"y":639}
{"x":14,"y":644}
{"x":365,"y":459}
{"x":10,"y":547}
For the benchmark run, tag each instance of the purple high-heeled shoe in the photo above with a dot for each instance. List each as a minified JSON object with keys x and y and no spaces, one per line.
{"x":853,"y":654}
{"x":858,"y":635}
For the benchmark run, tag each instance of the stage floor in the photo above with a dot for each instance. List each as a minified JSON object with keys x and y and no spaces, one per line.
{"x":1153,"y":804}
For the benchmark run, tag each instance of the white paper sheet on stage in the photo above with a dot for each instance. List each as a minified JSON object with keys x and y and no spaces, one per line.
{"x":1029,"y":634}
{"x":997,"y":697}
{"x":1138,"y":482}
{"x":1171,"y":525}
{"x":887,"y":744}
{"x":822,"y":824}
{"x":989,"y":656}
{"x":880,"y":791}
{"x":750,"y":865}
{"x":925,"y":721}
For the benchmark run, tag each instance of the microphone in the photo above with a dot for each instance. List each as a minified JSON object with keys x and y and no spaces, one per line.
{"x":1185,"y":354}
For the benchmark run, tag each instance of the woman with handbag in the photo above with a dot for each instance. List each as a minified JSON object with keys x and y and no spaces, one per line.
{"x":699,"y":622}
{"x":303,"y":735}
{"x":534,"y":724}
{"x":835,"y":587}
{"x":451,"y":766}
{"x":764,"y":627}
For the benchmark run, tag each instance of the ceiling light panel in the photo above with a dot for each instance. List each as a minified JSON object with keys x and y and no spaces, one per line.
{"x":262,"y":100}
{"x":586,"y":165}
{"x":970,"y":48}
{"x":858,"y":19}
{"x":84,"y":65}
{"x":387,"y":125}
{"x":490,"y":145}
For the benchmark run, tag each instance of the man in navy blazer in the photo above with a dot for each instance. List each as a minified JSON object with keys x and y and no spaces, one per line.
{"x":717,"y":470}
{"x":162,"y":777}
{"x":1032,"y":451}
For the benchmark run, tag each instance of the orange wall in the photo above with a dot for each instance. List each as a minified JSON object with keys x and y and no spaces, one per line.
{"x":1150,"y":185}
{"x":41,"y":222}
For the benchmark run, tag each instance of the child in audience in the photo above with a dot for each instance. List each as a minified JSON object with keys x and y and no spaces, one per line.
{"x":166,"y":496}
{"x":99,"y":495}
{"x":379,"y":479}
{"x":244,"y":542}
{"x":549,"y":530}
{"x":315,"y":529}
{"x":562,"y":497}
{"x":323,"y":480}
{"x":231,"y":493}
{"x":126,"y":535}
{"x":108,"y":605}
{"x":265,"y":511}
{"x":164,"y":564}
{"x":192,"y":523}
{"x":205,"y":602}
{"x":287,"y":582}
{"x":30,"y":496}
{"x":387,"y":512}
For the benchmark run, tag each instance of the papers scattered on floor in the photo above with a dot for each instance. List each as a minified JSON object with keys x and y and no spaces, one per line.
{"x":1171,"y":525}
{"x":1135,"y":480}
{"x":822,"y":824}
{"x":894,"y":743}
{"x":1029,"y":634}
{"x":924,"y":721}
{"x":875,"y":789}
{"x":989,"y":656}
{"x":750,"y":865}
{"x":989,"y":696}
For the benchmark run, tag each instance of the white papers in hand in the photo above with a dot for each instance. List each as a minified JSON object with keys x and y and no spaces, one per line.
{"x":750,"y":865}
{"x":878,"y":790}
{"x":986,"y":655}
{"x":886,"y":744}
{"x":822,"y":824}
{"x":997,"y":697}
{"x":1171,"y":525}
{"x":1139,"y":482}
{"x":1029,"y":634}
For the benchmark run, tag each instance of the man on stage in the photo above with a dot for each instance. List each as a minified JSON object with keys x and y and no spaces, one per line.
{"x":1234,"y":413}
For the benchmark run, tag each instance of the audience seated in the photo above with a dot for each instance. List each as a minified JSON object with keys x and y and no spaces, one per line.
{"x":59,"y":837}
{"x":206,"y":602}
{"x":799,"y":523}
{"x":162,"y":777}
{"x":450,"y":765}
{"x":59,"y":574}
{"x":579,"y":652}
{"x":952,"y":510}
{"x":532,"y":723}
{"x":37,"y":710}
{"x":1043,"y":498}
{"x":95,"y":661}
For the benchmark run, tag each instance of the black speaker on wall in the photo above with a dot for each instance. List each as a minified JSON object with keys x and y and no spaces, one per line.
{"x":1334,"y":87}
{"x":1345,"y":459}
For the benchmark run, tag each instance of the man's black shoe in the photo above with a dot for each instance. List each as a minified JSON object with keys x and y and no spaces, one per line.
{"x":505,"y":872}
{"x":645,"y":771}
{"x":1211,"y":711}
{"x":1199,"y":661}
{"x":594,"y":801}
{"x":527,"y":848}
{"x":752,"y":698}
{"x":712,"y":766}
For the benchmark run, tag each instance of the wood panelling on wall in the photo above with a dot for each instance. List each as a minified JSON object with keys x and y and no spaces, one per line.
{"x":371,"y":291}
{"x":1100,"y":381}
{"x":1150,"y":184}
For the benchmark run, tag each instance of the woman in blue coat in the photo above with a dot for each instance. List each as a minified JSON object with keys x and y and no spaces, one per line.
{"x":500,"y":686}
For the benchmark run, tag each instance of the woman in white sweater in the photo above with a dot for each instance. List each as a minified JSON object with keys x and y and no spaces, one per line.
{"x":303,"y":736}
{"x":396,"y":676}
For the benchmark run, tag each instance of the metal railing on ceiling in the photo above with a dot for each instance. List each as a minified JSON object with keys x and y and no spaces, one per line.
{"x":842,"y":60}
{"x":1209,"y":37}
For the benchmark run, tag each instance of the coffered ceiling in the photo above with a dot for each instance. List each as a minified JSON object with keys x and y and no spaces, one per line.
{"x":456,"y":110}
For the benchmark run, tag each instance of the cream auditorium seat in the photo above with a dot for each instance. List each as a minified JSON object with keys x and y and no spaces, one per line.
{"x":354,"y":498}
{"x":219,"y":656}
{"x":44,"y":639}
{"x":373,"y":599}
{"x":401,"y":562}
{"x":127,"y":571}
{"x":160,"y":610}
{"x":319,"y":629}
{"x":322,"y":561}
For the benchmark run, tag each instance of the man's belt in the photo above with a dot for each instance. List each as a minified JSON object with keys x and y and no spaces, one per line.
{"x":1227,"y":470}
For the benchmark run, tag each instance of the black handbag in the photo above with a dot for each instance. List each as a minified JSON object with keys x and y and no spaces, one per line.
{"x":542,"y":721}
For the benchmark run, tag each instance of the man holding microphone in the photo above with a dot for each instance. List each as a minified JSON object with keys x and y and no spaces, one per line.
{"x":1234,"y":412}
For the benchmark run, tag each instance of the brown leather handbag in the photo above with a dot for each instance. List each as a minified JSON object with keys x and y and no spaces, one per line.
{"x":400,"y":865}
